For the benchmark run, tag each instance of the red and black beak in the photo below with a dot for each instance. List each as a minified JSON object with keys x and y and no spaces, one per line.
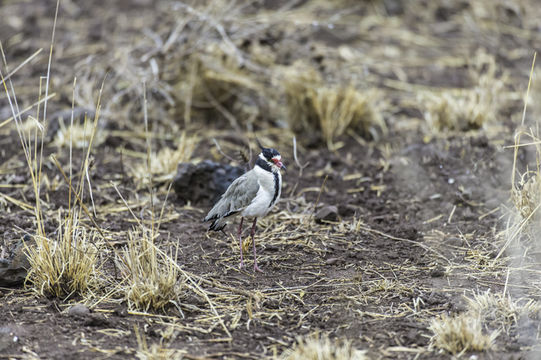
{"x":279,"y":164}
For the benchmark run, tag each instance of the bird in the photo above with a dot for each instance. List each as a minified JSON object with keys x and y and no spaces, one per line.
{"x":251,"y":195}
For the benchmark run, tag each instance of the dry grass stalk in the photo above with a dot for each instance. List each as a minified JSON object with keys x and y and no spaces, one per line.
{"x":164,"y":163}
{"x":461,"y":333}
{"x":77,"y":136}
{"x":155,"y":351}
{"x":317,"y":347}
{"x":467,"y":109}
{"x":526,"y":192}
{"x":460,"y":110}
{"x":497,"y":313}
{"x":153,"y":277}
{"x":329,"y":110}
{"x":526,"y":195}
{"x":216,"y":80}
{"x":501,"y":312}
{"x":67,"y":265}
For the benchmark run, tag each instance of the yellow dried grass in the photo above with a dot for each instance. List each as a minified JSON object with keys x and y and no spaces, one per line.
{"x":78,"y":135}
{"x":163,"y":164}
{"x":64,"y":266}
{"x":153,"y":279}
{"x":468,"y":109}
{"x":461,"y":333}
{"x":329,"y":110}
{"x":316,"y":347}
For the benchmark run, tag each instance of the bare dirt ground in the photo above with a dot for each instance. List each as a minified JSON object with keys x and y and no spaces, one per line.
{"x":423,"y":204}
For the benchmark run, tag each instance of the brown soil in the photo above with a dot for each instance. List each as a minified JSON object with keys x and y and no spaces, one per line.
{"x":418,"y":216}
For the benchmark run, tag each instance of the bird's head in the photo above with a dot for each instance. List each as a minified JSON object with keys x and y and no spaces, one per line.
{"x":272,"y":157}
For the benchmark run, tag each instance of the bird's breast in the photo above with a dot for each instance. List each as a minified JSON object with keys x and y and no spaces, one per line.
{"x":268,"y":194}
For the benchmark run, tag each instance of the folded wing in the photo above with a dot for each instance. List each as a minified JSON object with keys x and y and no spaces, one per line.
{"x":237,"y":197}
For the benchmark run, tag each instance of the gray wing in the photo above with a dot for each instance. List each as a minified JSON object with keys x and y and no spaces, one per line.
{"x":236,"y":198}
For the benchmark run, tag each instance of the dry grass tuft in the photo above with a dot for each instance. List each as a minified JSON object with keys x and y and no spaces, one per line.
{"x":155,"y":351}
{"x":65,"y":266}
{"x":78,"y":135}
{"x":164,"y":163}
{"x":153,"y":279}
{"x":460,"y":110}
{"x":526,"y":196}
{"x":486,"y":311}
{"x":329,"y":110}
{"x":461,"y":333}
{"x":317,"y":347}
{"x":526,"y":191}
{"x":501,"y":312}
{"x":217,"y":80}
{"x":467,"y":109}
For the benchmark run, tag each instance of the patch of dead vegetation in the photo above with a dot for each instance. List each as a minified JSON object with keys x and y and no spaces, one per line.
{"x":316,"y":347}
{"x":461,"y":333}
{"x":164,"y":163}
{"x":155,"y":351}
{"x":65,"y":266}
{"x":487,"y":316}
{"x":152,"y":276}
{"x":78,"y":136}
{"x":324,"y":111}
{"x":470,"y":108}
{"x":206,"y":62}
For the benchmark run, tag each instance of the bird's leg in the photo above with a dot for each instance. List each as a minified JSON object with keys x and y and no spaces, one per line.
{"x":241,"y":265}
{"x":252,"y":233}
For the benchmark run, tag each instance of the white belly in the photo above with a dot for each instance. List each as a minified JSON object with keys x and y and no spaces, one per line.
{"x":261,"y":204}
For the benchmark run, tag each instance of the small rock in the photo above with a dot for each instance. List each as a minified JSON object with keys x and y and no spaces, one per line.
{"x":20,"y":259}
{"x":512,"y":347}
{"x":346,"y":210}
{"x":468,"y":214}
{"x":78,"y":310}
{"x":332,"y":261}
{"x":96,"y":320}
{"x":10,"y":335}
{"x":454,"y":241}
{"x":327,"y":213}
{"x":439,"y":271}
{"x":121,"y":312}
{"x":205,"y":182}
{"x":13,"y":271}
{"x":393,"y":7}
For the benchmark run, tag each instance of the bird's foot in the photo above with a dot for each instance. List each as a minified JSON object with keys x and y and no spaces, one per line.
{"x":241,"y":265}
{"x":257,"y":269}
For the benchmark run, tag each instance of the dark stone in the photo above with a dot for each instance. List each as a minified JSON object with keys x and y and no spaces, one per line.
{"x":327,"y":213}
{"x":13,"y":271}
{"x":346,"y":210}
{"x":78,"y":310}
{"x":333,"y":261}
{"x":454,"y":241}
{"x":204,"y":183}
{"x":96,"y":320}
{"x":408,"y":232}
{"x":393,"y":7}
{"x":10,"y":335}
{"x":437,"y":272}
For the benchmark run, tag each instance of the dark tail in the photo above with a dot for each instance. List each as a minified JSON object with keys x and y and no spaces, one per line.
{"x":217,"y":225}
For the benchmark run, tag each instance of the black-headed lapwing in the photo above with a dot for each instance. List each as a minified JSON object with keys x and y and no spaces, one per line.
{"x":251,"y":195}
